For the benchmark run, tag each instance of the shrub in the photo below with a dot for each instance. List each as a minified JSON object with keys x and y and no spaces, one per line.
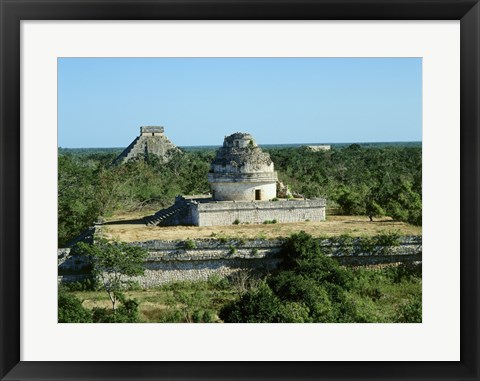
{"x":307,"y":287}
{"x":87,"y":284}
{"x":200,"y":316}
{"x":266,"y":222}
{"x":126,"y":313}
{"x":367,"y":245}
{"x":190,"y":244}
{"x":411,"y":311}
{"x":70,"y":309}
{"x":259,"y":305}
{"x":236,"y":222}
{"x":217,"y":282}
{"x":404,"y":271}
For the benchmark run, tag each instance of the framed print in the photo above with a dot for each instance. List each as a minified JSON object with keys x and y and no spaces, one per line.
{"x":373,"y":71}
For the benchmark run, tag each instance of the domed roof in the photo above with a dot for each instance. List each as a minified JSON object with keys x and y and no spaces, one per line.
{"x":239,"y":150}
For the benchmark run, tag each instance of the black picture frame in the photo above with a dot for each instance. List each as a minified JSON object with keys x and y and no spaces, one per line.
{"x":13,"y":11}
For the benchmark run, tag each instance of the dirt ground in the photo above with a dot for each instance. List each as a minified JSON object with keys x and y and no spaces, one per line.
{"x":126,"y":229}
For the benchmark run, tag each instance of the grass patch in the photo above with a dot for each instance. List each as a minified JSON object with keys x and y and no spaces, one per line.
{"x":178,"y":302}
{"x":357,"y":226}
{"x":386,"y":295}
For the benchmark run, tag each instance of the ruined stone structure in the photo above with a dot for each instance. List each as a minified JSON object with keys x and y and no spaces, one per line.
{"x":151,"y":141}
{"x":321,"y":147}
{"x":242,"y":172}
{"x":244,"y":190}
{"x":203,"y":211}
{"x":170,"y":261}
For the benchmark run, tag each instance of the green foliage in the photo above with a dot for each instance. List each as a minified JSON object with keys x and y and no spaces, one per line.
{"x":112,"y":263}
{"x":266,"y":222}
{"x":364,"y":181}
{"x":351,"y":201}
{"x":88,"y":284}
{"x":411,"y":311}
{"x":380,"y":295}
{"x":189,"y":302}
{"x":126,"y":313}
{"x":343,"y":244}
{"x":190,"y":244}
{"x":259,"y":305}
{"x":384,"y":295}
{"x":78,"y":206}
{"x":216,"y":282}
{"x":404,"y":272}
{"x":89,"y":186}
{"x":236,"y":222}
{"x":200,"y":316}
{"x":309,"y":287}
{"x":70,"y":309}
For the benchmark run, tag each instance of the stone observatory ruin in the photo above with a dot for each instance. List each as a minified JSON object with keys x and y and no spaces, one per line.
{"x":151,"y":142}
{"x":244,"y":190}
{"x":242,"y":172}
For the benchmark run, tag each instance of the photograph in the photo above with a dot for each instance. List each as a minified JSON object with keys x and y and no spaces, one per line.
{"x":239,"y":190}
{"x":248,"y":166}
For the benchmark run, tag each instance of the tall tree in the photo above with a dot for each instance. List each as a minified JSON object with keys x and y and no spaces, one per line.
{"x":113,"y":263}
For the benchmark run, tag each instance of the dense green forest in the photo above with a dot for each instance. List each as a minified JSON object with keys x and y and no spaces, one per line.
{"x":371,"y":181}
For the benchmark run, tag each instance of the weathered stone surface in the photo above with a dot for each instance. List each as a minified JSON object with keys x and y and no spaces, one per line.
{"x":321,"y":147}
{"x":151,"y":141}
{"x":226,"y":213}
{"x":283,"y":191}
{"x":170,"y":261}
{"x":241,"y":171}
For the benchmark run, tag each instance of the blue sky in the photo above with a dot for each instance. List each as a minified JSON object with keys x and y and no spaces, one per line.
{"x":102,"y":102}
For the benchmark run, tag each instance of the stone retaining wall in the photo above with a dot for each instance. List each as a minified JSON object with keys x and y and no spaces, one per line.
{"x":170,"y":261}
{"x":228,"y":212}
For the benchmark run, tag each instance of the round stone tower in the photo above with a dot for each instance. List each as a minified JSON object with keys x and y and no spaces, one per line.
{"x":241,"y":171}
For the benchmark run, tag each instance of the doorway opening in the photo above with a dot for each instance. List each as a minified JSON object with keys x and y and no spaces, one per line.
{"x":258,"y":194}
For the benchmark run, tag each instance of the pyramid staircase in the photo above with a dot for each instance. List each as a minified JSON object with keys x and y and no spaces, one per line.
{"x":124,"y":155}
{"x":163,"y":216}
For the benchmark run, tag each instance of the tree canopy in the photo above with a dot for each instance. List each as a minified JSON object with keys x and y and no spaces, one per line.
{"x":113,"y":263}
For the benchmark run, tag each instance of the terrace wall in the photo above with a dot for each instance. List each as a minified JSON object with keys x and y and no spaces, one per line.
{"x":170,"y":261}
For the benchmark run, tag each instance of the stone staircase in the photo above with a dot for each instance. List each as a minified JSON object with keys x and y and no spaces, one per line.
{"x":86,"y":236}
{"x":126,"y":152}
{"x":163,"y":216}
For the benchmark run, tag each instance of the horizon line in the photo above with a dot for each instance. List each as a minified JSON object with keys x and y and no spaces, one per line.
{"x":264,"y":144}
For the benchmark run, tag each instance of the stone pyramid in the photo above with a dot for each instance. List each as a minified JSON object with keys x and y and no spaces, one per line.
{"x":151,"y":141}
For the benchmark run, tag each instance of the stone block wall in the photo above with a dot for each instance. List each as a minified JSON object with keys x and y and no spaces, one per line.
{"x":227,"y":212}
{"x":170,"y":261}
